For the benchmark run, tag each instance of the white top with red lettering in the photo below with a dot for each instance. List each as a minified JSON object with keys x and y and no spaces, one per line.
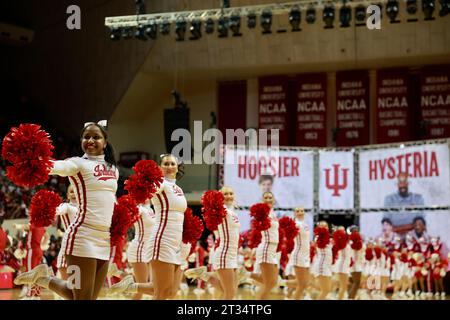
{"x":95,"y":184}
{"x":66,"y":212}
{"x":143,"y":226}
{"x":301,"y":242}
{"x":271,"y":235}
{"x":170,"y":197}
{"x":228,"y":231}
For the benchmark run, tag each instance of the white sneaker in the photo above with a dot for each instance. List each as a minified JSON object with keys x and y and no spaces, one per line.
{"x":195,"y":273}
{"x":121,"y":286}
{"x":198,"y":291}
{"x":442,"y":295}
{"x":184,"y":289}
{"x":423,"y":295}
{"x":30,"y":277}
{"x":113,"y":271}
{"x":23,"y":292}
{"x":437,"y":295}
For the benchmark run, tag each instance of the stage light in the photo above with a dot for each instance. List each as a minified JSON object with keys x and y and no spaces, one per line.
{"x":328,"y":16}
{"x":222,"y":27}
{"x":360,"y":14}
{"x":116,"y":34}
{"x":295,"y":17}
{"x":445,"y":8}
{"x":127,"y":33}
{"x":151,"y":30}
{"x":209,"y":26}
{"x":165,"y":27}
{"x":310,"y":15}
{"x":235,"y":25}
{"x":195,"y":29}
{"x":180,"y":30}
{"x":392,"y":10}
{"x":266,"y":21}
{"x":428,"y":9}
{"x":251,"y":20}
{"x":345,"y":16}
{"x":411,"y":6}
{"x":140,"y":33}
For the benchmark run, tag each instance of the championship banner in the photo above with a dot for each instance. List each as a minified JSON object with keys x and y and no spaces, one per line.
{"x":430,"y":226}
{"x":336,"y":180}
{"x":352,"y":114}
{"x":435,"y":101}
{"x":245,"y":219}
{"x":289,"y":175}
{"x":393,"y":107}
{"x":404,"y":177}
{"x":312,"y":110}
{"x":272,"y":106}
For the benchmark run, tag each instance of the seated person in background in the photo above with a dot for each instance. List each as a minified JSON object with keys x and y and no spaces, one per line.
{"x":401,"y":220}
{"x":388,"y":235}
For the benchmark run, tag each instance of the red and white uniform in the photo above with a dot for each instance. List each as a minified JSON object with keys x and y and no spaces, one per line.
{"x":358,"y":259}
{"x":322,"y":262}
{"x":139,"y":248}
{"x":300,"y":255}
{"x":166,"y":237}
{"x":34,"y":251}
{"x":342,"y":264}
{"x":95,"y":185}
{"x":184,"y":254}
{"x":66,"y":212}
{"x":225,"y":256}
{"x":384,"y":265}
{"x":266,"y":252}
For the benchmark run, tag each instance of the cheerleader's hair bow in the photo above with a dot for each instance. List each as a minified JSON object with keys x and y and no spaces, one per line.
{"x":103,"y":123}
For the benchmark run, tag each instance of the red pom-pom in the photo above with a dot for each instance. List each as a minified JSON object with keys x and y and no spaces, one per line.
{"x":43,"y":208}
{"x":334,"y":251}
{"x":356,"y":240}
{"x":254,"y":238}
{"x":281,"y":237}
{"x":260,"y":213}
{"x":145,"y":181}
{"x":213,"y":209}
{"x":340,"y":239}
{"x":30,"y":151}
{"x":392,"y":257}
{"x":312,"y":251}
{"x":377,"y":252}
{"x":322,"y":237}
{"x":125,"y":215}
{"x":290,"y":245}
{"x":290,"y":228}
{"x":369,"y":254}
{"x":242,"y":239}
{"x":404,"y":257}
{"x":192,"y":227}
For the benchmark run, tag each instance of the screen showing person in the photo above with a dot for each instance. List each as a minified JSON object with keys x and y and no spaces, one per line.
{"x":387,"y":232}
{"x":419,"y":229}
{"x":265,"y":183}
{"x":402,"y":220}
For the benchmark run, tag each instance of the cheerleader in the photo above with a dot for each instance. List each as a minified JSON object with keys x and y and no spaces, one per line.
{"x":357,"y":260}
{"x":300,"y":255}
{"x":225,"y":256}
{"x":267,"y":258}
{"x":342,"y":266}
{"x":321,"y":268}
{"x":166,"y":237}
{"x":87,"y":243}
{"x":138,"y":252}
{"x":66,"y":213}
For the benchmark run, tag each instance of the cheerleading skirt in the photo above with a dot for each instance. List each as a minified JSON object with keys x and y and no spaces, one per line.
{"x":225,"y":257}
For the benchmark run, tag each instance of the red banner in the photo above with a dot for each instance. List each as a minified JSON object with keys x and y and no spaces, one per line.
{"x":393,"y":107}
{"x":435,"y":101}
{"x":352,"y":115}
{"x":311,"y":104}
{"x":273,"y":101}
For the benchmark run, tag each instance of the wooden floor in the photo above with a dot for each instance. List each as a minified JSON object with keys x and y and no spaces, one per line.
{"x":243,"y":294}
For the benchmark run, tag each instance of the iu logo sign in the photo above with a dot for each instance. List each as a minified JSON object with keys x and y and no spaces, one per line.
{"x":336,"y":185}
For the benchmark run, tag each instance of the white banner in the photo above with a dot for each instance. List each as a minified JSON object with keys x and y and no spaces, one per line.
{"x":336,"y":180}
{"x":382,"y":183}
{"x":244,"y":219}
{"x":289,"y":175}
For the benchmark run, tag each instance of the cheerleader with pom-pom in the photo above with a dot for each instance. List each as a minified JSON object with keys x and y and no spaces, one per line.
{"x":342,"y":263}
{"x":357,"y":260}
{"x":87,"y":243}
{"x":323,"y":259}
{"x":267,"y":258}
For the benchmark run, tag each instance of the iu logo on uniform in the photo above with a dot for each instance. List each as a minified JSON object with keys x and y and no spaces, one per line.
{"x":336,"y":185}
{"x":104,"y":173}
{"x":177,"y":190}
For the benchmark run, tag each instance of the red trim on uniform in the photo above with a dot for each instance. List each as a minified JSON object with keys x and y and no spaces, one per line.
{"x":77,"y":225}
{"x":227,"y":243}
{"x":266,"y":246}
{"x":78,"y":214}
{"x":165,"y":223}
{"x":299,"y":243}
{"x":322,"y":260}
{"x":141,"y":238}
{"x":159,"y":227}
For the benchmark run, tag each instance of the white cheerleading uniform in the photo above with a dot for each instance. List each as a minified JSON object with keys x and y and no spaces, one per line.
{"x":300,"y":255}
{"x":266,"y":252}
{"x":66,"y":212}
{"x":95,"y":185}
{"x":184,"y":254}
{"x":342,"y":263}
{"x":358,"y":259}
{"x":385,"y":265}
{"x":166,"y":237}
{"x":322,"y":261}
{"x":139,"y":248}
{"x":225,"y":256}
